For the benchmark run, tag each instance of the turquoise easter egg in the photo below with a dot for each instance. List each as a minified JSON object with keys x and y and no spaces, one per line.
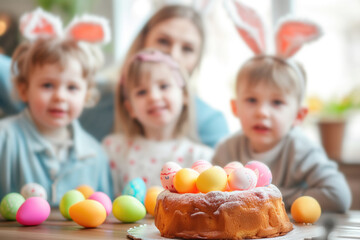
{"x":136,"y":188}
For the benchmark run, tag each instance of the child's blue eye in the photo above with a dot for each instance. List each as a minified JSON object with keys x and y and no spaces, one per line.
{"x":164,"y":86}
{"x":47,"y":85}
{"x":278,"y":102}
{"x":140,"y":92}
{"x":251,"y":100}
{"x":72,"y":87}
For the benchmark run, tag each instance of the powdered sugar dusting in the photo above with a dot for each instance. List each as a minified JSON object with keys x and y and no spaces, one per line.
{"x":215,"y":197}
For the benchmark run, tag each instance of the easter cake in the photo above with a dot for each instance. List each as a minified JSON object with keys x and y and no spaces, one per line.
{"x":230,"y":213}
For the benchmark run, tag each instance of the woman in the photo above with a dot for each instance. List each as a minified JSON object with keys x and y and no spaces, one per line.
{"x":178,"y":31}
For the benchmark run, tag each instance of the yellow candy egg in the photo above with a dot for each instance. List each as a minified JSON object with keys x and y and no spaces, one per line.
{"x":86,"y":190}
{"x":185,"y":180}
{"x":305,"y":209}
{"x":88,"y":213}
{"x":212,"y":179}
{"x":150,"y":198}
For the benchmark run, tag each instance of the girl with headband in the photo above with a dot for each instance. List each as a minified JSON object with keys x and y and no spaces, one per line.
{"x":269,"y":97}
{"x":53,"y":73}
{"x":154,"y":108}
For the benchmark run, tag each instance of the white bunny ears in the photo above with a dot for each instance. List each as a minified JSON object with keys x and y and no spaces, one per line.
{"x":290,"y":36}
{"x":88,"y":28}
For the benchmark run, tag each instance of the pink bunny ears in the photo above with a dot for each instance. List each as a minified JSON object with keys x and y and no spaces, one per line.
{"x":87,"y":28}
{"x":291,"y":33}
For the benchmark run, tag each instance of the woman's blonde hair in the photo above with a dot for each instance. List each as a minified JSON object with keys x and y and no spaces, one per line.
{"x":165,"y":13}
{"x":276,"y":72}
{"x":132,"y":77}
{"x":30,"y":55}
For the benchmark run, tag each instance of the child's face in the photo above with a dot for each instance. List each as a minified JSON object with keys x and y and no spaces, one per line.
{"x":55,"y":96}
{"x":179,"y":38}
{"x":158,"y":101}
{"x":266,"y":114}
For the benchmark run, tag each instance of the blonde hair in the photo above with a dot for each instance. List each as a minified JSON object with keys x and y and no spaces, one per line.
{"x":165,"y":13}
{"x":30,"y":55}
{"x":132,"y":77}
{"x":276,"y":72}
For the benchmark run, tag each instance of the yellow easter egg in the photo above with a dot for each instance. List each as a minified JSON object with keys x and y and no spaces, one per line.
{"x":150,"y":198}
{"x":305,"y":209}
{"x":185,"y":180}
{"x":86,"y":190}
{"x":88,"y":213}
{"x":212,"y":179}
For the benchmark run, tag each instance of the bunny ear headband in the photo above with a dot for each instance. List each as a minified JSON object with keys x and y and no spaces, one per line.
{"x":290,"y":35}
{"x":88,"y":28}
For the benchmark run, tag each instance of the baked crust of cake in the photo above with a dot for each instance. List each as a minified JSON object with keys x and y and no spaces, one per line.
{"x":255,"y":213}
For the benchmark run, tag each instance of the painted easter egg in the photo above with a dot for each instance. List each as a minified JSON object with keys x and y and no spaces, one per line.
{"x":88,"y":213}
{"x":128,"y":209}
{"x":33,"y":211}
{"x":242,"y":179}
{"x":33,"y":190}
{"x":305,"y":209}
{"x":136,"y":188}
{"x":167,"y":174}
{"x":231,"y":166}
{"x":201,"y":165}
{"x":10,"y":204}
{"x":86,"y":190}
{"x":150,"y":198}
{"x":262,"y":172}
{"x":103,"y":199}
{"x":212,"y":179}
{"x":70,"y":198}
{"x":185,"y":180}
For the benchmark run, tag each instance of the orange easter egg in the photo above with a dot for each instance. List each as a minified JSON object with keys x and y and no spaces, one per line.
{"x":185,"y":180}
{"x":88,"y":213}
{"x":86,"y":190}
{"x":150,"y":198}
{"x":305,"y":209}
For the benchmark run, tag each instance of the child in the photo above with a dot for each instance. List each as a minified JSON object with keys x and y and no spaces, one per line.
{"x":270,"y":91}
{"x":45,"y":144}
{"x":153,"y":104}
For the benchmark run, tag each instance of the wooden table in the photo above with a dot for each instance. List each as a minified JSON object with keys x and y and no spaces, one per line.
{"x":346,"y":226}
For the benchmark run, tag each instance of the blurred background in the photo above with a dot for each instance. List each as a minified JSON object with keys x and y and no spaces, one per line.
{"x":332,"y":63}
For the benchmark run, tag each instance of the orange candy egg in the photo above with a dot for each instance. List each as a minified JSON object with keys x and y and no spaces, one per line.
{"x":150,"y":198}
{"x":212,"y":179}
{"x":88,"y":213}
{"x":86,"y":190}
{"x":305,"y":209}
{"x":185,"y":180}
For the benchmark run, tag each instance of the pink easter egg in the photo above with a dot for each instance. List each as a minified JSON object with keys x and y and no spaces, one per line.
{"x":104,"y":200}
{"x":242,"y":179}
{"x":201,"y":165}
{"x":262,"y":172}
{"x":33,"y":211}
{"x":231,"y":166}
{"x":167,"y":174}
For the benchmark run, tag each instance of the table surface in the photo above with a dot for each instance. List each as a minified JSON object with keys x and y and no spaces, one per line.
{"x":347,"y":226}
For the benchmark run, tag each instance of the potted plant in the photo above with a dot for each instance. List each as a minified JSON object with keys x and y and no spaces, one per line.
{"x":331,"y":117}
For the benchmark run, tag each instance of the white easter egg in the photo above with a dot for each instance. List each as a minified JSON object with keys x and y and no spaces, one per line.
{"x":33,"y":190}
{"x":242,"y":179}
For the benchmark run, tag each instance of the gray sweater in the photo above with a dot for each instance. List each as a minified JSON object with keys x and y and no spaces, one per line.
{"x":299,"y":168}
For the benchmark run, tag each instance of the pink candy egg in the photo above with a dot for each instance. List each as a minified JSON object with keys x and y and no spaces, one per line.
{"x":104,"y":200}
{"x":242,"y":179}
{"x":33,"y":211}
{"x":201,"y":165}
{"x":231,"y":166}
{"x":262,"y":172}
{"x":167,"y":174}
